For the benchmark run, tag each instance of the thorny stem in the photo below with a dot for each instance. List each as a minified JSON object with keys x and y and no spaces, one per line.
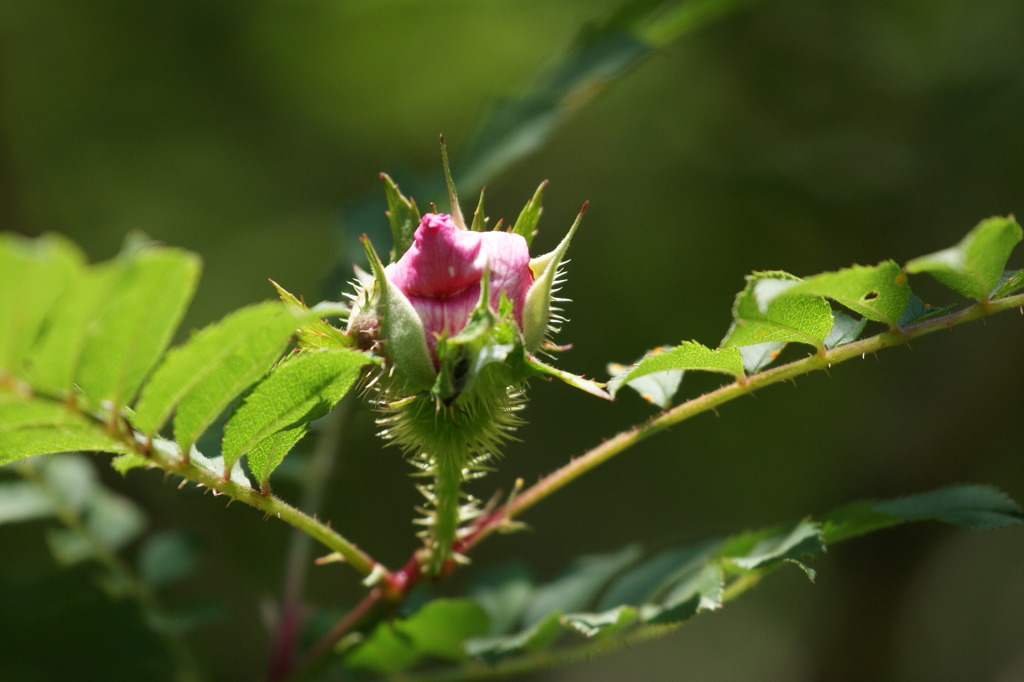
{"x":271,"y":506}
{"x":487,"y":524}
{"x":290,"y":617}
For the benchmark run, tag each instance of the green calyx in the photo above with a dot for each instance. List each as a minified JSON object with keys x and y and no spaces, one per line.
{"x":401,"y":330}
{"x":537,"y":310}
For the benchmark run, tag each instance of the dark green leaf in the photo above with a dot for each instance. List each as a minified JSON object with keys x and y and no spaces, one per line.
{"x":919,"y":311}
{"x":1010,"y":283}
{"x":503,"y":593}
{"x":579,"y":584}
{"x":166,"y":557}
{"x":534,"y":638}
{"x":879,"y":292}
{"x":972,"y":506}
{"x":606,"y":624}
{"x":651,"y":579}
{"x":700,"y":589}
{"x":437,"y":630}
{"x":758,"y":549}
{"x":974,"y":266}
{"x":845,"y":329}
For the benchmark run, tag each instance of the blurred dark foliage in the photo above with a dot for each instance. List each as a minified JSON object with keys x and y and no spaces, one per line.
{"x":793,"y":135}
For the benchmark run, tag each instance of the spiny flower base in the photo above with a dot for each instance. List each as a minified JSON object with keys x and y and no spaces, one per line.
{"x":449,"y":444}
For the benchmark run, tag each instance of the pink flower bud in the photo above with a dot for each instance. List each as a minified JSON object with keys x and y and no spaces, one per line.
{"x":441,"y":274}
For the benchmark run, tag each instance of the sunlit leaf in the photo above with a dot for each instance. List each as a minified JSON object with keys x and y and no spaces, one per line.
{"x":202,"y":376}
{"x":657,"y":388}
{"x":975,"y":265}
{"x":300,"y":389}
{"x":270,"y":452}
{"x":762,"y":315}
{"x":878,"y":292}
{"x":688,"y":355}
{"x":19,"y":443}
{"x":34,"y":273}
{"x":52,"y":363}
{"x":135,"y":322}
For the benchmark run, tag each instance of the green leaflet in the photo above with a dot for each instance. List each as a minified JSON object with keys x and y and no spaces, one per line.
{"x":53,"y":362}
{"x":679,"y":582}
{"x":975,"y":265}
{"x":202,"y":376}
{"x":977,"y":507}
{"x":878,"y":292}
{"x":303,"y":387}
{"x":270,"y":452}
{"x":685,"y":356}
{"x":34,"y":274}
{"x":438,"y":630}
{"x":19,"y":443}
{"x":762,"y":314}
{"x":134,"y":322}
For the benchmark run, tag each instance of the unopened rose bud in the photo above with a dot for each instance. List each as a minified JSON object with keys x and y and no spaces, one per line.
{"x":442,"y":272}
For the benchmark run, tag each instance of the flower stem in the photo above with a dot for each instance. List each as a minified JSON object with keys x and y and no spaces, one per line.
{"x":710,"y":401}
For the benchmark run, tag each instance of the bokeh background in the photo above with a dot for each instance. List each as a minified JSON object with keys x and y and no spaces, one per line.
{"x":788,"y":134}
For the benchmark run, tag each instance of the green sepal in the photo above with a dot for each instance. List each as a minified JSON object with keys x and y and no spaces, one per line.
{"x":592,"y":387}
{"x":479,"y":218}
{"x":537,"y":309}
{"x":405,"y":340}
{"x":526,"y":223}
{"x":403,"y":216}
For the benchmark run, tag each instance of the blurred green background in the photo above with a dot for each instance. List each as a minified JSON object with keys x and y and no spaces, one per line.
{"x":791,"y":135}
